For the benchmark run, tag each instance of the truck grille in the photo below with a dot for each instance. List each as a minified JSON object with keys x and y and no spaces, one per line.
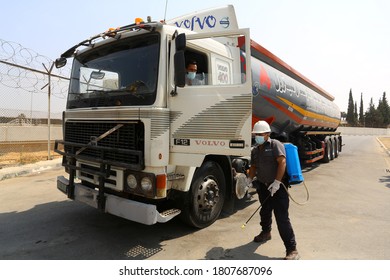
{"x":129,"y":137}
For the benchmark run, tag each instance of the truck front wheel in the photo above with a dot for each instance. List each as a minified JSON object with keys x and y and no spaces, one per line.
{"x":205,"y":199}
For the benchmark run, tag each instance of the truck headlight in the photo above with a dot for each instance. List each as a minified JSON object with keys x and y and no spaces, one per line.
{"x":131,"y":181}
{"x":146,"y":184}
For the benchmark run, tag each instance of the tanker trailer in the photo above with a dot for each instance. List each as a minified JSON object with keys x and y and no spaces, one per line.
{"x":298,"y":110}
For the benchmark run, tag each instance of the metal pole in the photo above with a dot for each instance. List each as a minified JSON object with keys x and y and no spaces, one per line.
{"x":48,"y":108}
{"x":31,"y":106}
{"x":48,"y":117}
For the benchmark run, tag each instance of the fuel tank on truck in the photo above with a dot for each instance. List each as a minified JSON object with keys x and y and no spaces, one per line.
{"x":286,"y":99}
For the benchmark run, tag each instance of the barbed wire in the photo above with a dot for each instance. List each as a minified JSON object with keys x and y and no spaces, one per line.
{"x":23,"y":68}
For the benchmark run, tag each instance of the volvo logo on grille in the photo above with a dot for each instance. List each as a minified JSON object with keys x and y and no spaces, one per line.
{"x":93,"y":141}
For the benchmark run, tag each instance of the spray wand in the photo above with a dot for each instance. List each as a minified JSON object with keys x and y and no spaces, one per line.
{"x":258,"y":208}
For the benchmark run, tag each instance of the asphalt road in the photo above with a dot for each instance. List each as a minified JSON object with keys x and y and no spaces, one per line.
{"x":346,"y":218}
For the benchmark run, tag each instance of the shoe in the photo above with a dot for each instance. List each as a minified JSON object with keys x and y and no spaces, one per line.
{"x":262,"y":237}
{"x":292,"y":255}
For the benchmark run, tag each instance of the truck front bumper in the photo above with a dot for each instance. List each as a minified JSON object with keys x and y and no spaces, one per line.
{"x":131,"y":210}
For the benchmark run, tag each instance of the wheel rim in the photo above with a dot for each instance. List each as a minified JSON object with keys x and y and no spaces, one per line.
{"x":207,"y":195}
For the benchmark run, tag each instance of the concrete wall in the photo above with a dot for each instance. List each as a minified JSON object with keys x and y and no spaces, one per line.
{"x":29,"y":133}
{"x":363,"y":131}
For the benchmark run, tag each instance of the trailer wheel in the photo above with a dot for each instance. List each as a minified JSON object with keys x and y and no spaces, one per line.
{"x":328,"y":151}
{"x":340,"y":142}
{"x":336,"y":146}
{"x":205,"y":199}
{"x":332,"y":148}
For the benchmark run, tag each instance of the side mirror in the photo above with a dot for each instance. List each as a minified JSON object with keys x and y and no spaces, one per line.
{"x":60,"y":62}
{"x":180,"y":42}
{"x":180,"y":69}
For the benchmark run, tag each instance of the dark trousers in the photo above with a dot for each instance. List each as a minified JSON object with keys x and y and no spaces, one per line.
{"x":279,"y":203}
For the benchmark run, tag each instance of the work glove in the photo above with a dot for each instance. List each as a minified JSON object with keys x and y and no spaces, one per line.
{"x":274,"y":187}
{"x":249,"y":182}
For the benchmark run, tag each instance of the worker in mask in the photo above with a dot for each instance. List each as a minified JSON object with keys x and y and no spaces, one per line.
{"x":268,"y":165}
{"x":192,"y":77}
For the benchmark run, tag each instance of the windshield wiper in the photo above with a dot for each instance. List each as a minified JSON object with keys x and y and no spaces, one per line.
{"x":99,"y":90}
{"x":133,"y":88}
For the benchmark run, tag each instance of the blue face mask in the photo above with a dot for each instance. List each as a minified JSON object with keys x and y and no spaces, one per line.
{"x":191,"y":75}
{"x":259,"y":139}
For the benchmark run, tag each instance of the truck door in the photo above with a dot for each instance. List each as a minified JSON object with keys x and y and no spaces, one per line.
{"x":212,"y":116}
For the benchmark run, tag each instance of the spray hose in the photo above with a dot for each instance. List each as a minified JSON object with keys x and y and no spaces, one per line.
{"x":261,"y":204}
{"x":299,"y":203}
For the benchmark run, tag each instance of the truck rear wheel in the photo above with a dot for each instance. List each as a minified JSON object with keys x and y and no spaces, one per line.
{"x":340,"y":143}
{"x":333,"y":147}
{"x":328,"y":151}
{"x":205,"y":199}
{"x":336,"y":146}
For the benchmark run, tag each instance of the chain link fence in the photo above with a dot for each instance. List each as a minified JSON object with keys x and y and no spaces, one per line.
{"x":32,"y":97}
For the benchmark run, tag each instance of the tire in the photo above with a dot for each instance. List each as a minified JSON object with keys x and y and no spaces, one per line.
{"x":333,"y":148}
{"x":239,"y":165}
{"x":336,"y":146}
{"x":340,"y":142}
{"x":205,"y":199}
{"x":328,"y":151}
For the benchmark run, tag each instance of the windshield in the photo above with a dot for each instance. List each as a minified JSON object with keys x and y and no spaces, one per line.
{"x":122,"y":73}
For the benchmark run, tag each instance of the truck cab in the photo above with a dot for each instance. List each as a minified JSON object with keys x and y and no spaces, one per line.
{"x":141,"y":144}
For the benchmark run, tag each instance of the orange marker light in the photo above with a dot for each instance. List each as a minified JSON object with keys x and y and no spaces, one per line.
{"x":161,"y":183}
{"x":111,"y":31}
{"x":138,"y":20}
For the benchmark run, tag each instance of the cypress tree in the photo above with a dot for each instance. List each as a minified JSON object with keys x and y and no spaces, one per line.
{"x":384,"y":111}
{"x":355,"y":115}
{"x":373,"y":117}
{"x":351,"y":109}
{"x":361,"y":112}
{"x":370,"y":114}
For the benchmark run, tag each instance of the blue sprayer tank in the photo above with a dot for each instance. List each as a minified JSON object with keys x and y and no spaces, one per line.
{"x":294,"y":170}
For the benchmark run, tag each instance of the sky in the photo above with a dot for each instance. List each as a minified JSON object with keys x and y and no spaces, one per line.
{"x":341,"y":45}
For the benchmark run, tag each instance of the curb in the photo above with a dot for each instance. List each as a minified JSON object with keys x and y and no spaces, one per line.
{"x":12,"y":172}
{"x":383,"y":146}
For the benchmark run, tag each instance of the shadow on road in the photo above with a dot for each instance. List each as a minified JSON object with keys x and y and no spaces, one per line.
{"x":386,"y":180}
{"x":243,"y":252}
{"x":68,"y":230}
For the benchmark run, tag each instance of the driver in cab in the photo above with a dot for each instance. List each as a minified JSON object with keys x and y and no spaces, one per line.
{"x":192,"y":78}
